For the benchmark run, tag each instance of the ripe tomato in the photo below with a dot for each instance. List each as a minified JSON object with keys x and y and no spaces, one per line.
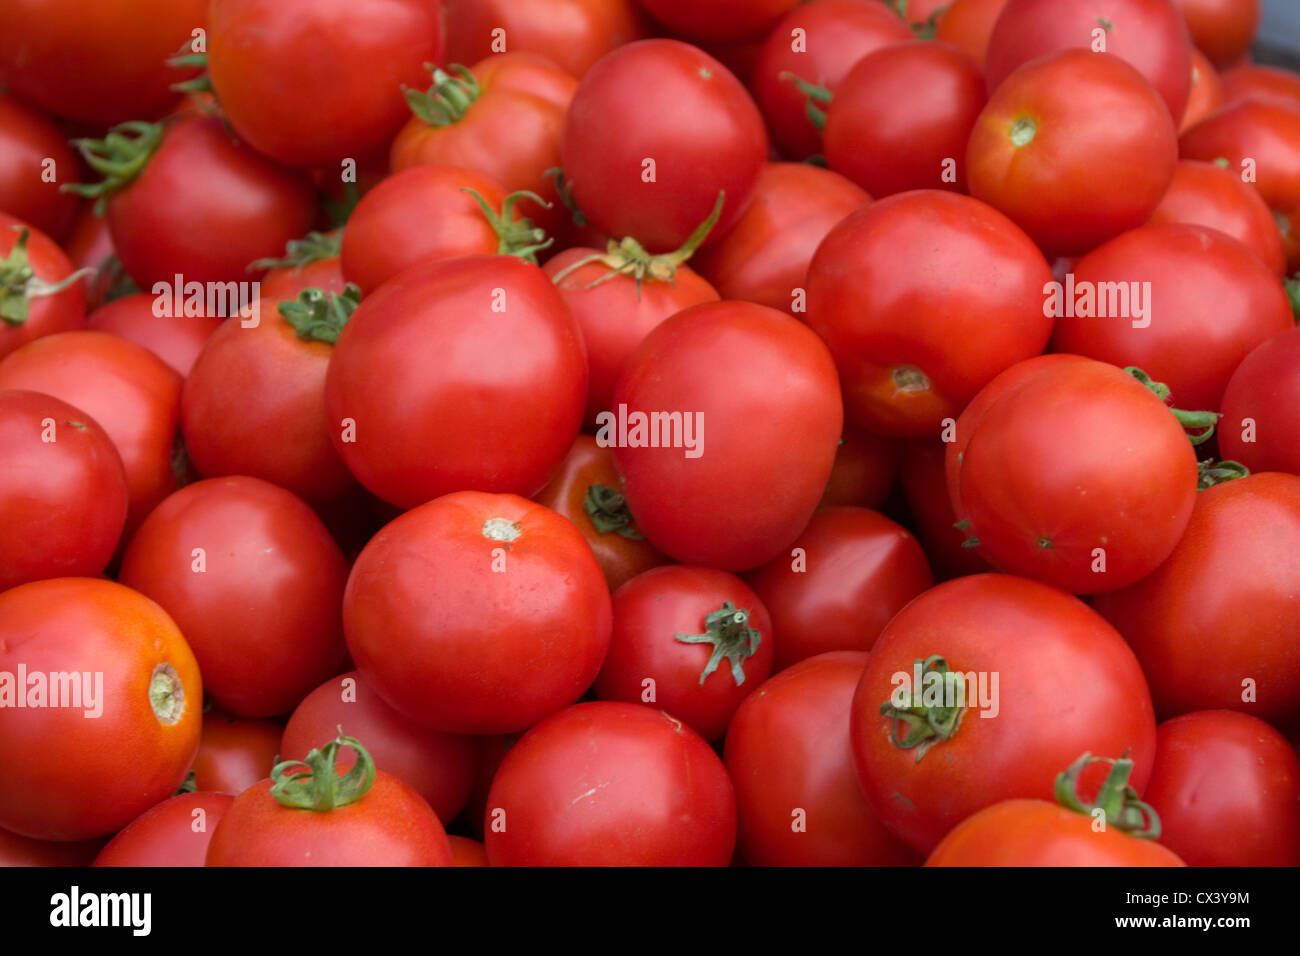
{"x":726,"y":20}
{"x":313,"y":262}
{"x":864,"y":471}
{"x":176,"y":339}
{"x":925,"y":486}
{"x":788,"y":754}
{"x":692,"y":641}
{"x":338,"y":95}
{"x":234,"y":752}
{"x":254,"y":580}
{"x":968,"y":25}
{"x":740,"y":499}
{"x":1227,"y":788}
{"x":488,"y":336}
{"x":1218,"y":624}
{"x":18,"y":850}
{"x":34,"y":159}
{"x":911,"y":353}
{"x":1073,"y":170}
{"x":32,"y":267}
{"x":1261,"y":407}
{"x":586,"y":491}
{"x":118,"y":686}
{"x":512,"y":628}
{"x":439,"y":767}
{"x":175,"y":832}
{"x":467,"y":852}
{"x":1206,"y":94}
{"x":90,"y":246}
{"x":656,"y":171}
{"x":62,"y":491}
{"x":1221,"y":29}
{"x":1251,"y":81}
{"x":609,"y":783}
{"x":927,"y":766}
{"x":1260,"y":139}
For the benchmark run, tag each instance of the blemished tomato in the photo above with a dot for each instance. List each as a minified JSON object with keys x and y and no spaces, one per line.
{"x":788,"y":755}
{"x":586,"y":491}
{"x":254,"y":581}
{"x":29,"y":306}
{"x":901,"y":117}
{"x":62,"y":491}
{"x":968,"y":25}
{"x":692,"y":641}
{"x":339,"y":95}
{"x":1217,"y":626}
{"x":1260,"y":139}
{"x":467,"y":852}
{"x":718,"y":20}
{"x":131,"y":392}
{"x":925,"y":487}
{"x":706,"y":486}
{"x":369,"y":818}
{"x":764,"y":257}
{"x":1221,"y":29}
{"x":1207,"y":300}
{"x":1073,"y":170}
{"x":234,"y":752}
{"x":1206,"y":94}
{"x":100,"y":63}
{"x":864,"y":470}
{"x":1261,"y":407}
{"x":18,"y":850}
{"x":512,"y":628}
{"x":487,"y":336}
{"x":843,"y":580}
{"x":439,"y":767}
{"x":34,"y":160}
{"x":1227,"y":789}
{"x":912,"y":353}
{"x":818,"y":43}
{"x":176,"y":832}
{"x":985,"y":742}
{"x":1252,"y":81}
{"x":125,"y":662}
{"x":609,"y":783}
{"x":655,"y":172}
{"x":176,"y":339}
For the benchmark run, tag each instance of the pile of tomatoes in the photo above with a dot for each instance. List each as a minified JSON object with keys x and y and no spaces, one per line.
{"x":648,"y":432}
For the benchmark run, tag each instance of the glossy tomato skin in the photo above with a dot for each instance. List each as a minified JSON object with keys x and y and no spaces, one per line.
{"x":1261,"y":407}
{"x":1234,"y":646}
{"x":47,"y":314}
{"x":1259,"y":136}
{"x":911,"y":353}
{"x":1039,"y":833}
{"x":62,"y":491}
{"x":718,"y":20}
{"x":864,"y":471}
{"x":1251,"y":81}
{"x":1221,"y":29}
{"x":1227,"y":788}
{"x":148,"y":708}
{"x":844,"y":578}
{"x":339,"y":95}
{"x":176,"y":339}
{"x":1030,"y":634}
{"x":260,"y":603}
{"x":234,"y":752}
{"x":488,"y":336}
{"x":1206,"y":95}
{"x":439,"y":767}
{"x":176,"y":832}
{"x":29,"y":188}
{"x":788,"y":754}
{"x":609,"y":783}
{"x":708,"y":509}
{"x":655,"y":173}
{"x":1211,"y":301}
{"x":922,"y":476}
{"x":507,"y":567}
{"x":764,"y":258}
{"x":1035,"y":152}
{"x":968,"y":25}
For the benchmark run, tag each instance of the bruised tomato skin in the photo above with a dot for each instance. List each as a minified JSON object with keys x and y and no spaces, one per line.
{"x":234,"y":752}
{"x":29,"y":184}
{"x":47,"y":314}
{"x":475,"y":649}
{"x":1033,"y":152}
{"x":439,"y":767}
{"x":864,"y":471}
{"x":18,"y":850}
{"x":912,"y":353}
{"x":968,"y":25}
{"x":1256,"y":136}
{"x":764,"y":258}
{"x":921,"y":474}
{"x":150,"y":696}
{"x":787,"y":748}
{"x":1222,"y":29}
{"x":1252,"y":81}
{"x":1260,"y":426}
{"x":1217,"y":626}
{"x":608,"y":783}
{"x":694,"y":501}
{"x":177,"y":340}
{"x":1207,"y":94}
{"x":728,"y":21}
{"x":176,"y":832}
{"x":1031,"y":636}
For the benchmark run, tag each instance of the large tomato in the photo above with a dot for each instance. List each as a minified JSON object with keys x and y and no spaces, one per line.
{"x":1221,"y":29}
{"x":35,"y":160}
{"x":34,"y":300}
{"x":1260,"y":140}
{"x":176,"y":832}
{"x":1261,"y":407}
{"x":99,"y":676}
{"x":718,"y":20}
{"x":176,"y":339}
{"x":864,"y":470}
{"x":968,"y":25}
{"x":234,"y":752}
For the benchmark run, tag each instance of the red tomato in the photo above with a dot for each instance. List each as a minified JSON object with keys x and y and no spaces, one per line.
{"x":1227,"y":789}
{"x":927,"y":767}
{"x":1261,"y":407}
{"x":740,"y":499}
{"x":864,"y":471}
{"x":1221,"y":29}
{"x":512,"y":628}
{"x":255,"y":581}
{"x":62,"y":491}
{"x":725,"y":20}
{"x":968,"y":25}
{"x":1260,"y":139}
{"x":90,"y":246}
{"x":18,"y":850}
{"x":234,"y":752}
{"x":655,"y":172}
{"x":488,"y":336}
{"x":1073,"y":170}
{"x":1206,"y":94}
{"x":611,"y":784}
{"x":467,"y":852}
{"x":925,"y":486}
{"x":118,"y":687}
{"x":176,"y":339}
{"x":797,"y":794}
{"x":31,"y":269}
{"x":1210,"y":300}
{"x":439,"y":767}
{"x":1218,"y":624}
{"x":310,"y":263}
{"x":912,"y":353}
{"x":34,"y":160}
{"x":176,"y":832}
{"x":338,"y":95}
{"x":1251,"y":81}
